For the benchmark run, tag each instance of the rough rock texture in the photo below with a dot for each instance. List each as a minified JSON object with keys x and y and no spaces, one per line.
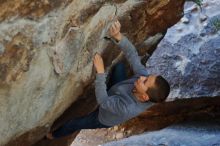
{"x":188,"y":57}
{"x":46,"y":50}
{"x":196,"y":133}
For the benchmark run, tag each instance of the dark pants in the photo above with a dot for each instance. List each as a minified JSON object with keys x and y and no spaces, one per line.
{"x":91,"y":121}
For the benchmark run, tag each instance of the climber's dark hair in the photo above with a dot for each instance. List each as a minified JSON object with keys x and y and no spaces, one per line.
{"x":160,"y":91}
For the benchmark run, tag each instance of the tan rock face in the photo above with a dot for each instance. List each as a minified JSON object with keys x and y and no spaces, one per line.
{"x":16,"y":59}
{"x":46,"y":51}
{"x":32,"y":9}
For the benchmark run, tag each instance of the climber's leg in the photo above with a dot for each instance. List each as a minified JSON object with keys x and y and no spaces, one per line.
{"x":89,"y":121}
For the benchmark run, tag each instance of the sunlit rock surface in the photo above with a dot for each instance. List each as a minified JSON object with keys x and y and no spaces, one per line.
{"x":46,"y":51}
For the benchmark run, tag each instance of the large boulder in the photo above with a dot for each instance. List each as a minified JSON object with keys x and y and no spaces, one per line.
{"x":188,"y":56}
{"x":46,"y":51}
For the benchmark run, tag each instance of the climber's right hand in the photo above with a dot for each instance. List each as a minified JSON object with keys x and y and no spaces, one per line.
{"x":114,"y":31}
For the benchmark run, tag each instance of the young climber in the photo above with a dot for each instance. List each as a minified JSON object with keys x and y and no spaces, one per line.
{"x":126,"y":98}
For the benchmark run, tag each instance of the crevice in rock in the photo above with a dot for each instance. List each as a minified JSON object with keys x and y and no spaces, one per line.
{"x":160,"y":117}
{"x":53,"y":87}
{"x":165,"y":114}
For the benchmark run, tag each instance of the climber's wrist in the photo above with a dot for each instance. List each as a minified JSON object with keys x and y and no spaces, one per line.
{"x":118,"y":37}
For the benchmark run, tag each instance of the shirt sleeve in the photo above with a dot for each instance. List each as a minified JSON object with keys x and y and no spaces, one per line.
{"x":100,"y":87}
{"x":111,"y":103}
{"x":132,"y":56}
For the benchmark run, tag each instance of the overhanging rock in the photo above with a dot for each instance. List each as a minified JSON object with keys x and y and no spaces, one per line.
{"x":46,"y":52}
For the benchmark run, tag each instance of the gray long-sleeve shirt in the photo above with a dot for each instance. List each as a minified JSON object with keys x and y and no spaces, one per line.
{"x":119,"y":104}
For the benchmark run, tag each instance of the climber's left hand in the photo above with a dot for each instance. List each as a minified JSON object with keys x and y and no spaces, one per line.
{"x":98,"y":63}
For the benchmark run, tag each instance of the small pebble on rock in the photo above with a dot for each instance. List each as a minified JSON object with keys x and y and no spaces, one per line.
{"x":185,"y":20}
{"x":119,"y":135}
{"x":203,"y":17}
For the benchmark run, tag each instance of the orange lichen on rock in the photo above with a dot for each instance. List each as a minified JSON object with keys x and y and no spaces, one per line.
{"x":33,"y":9}
{"x":15,"y":59}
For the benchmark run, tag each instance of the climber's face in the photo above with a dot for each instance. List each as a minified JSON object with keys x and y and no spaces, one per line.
{"x":141,"y":85}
